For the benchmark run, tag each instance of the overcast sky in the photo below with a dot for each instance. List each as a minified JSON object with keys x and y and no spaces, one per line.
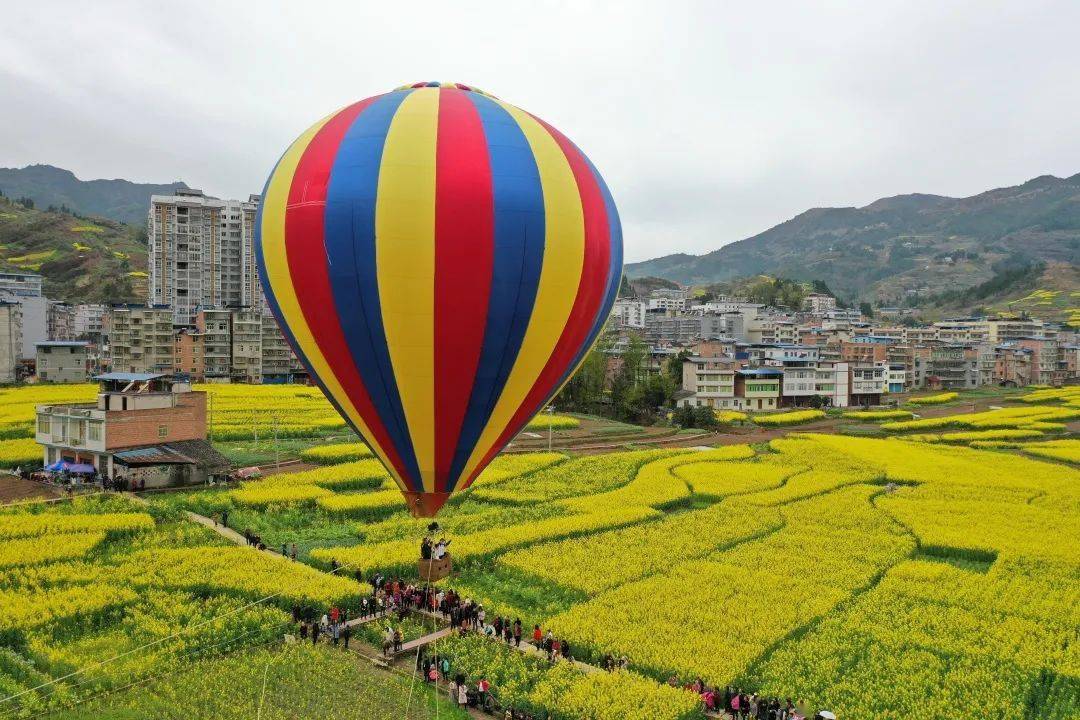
{"x":710,"y":121}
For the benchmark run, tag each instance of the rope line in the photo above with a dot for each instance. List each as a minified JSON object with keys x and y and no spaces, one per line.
{"x":178,"y":633}
{"x":110,"y":691}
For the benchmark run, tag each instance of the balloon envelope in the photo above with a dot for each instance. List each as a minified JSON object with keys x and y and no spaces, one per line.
{"x":441,"y":261}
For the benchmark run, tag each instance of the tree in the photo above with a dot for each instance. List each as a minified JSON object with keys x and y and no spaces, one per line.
{"x":585,"y":390}
{"x":705,"y":418}
{"x":645,"y":398}
{"x":777,"y":291}
{"x":674,"y":366}
{"x":866,"y":309}
{"x":684,"y":416}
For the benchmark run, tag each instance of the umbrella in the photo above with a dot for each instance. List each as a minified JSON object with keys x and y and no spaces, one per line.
{"x":82,"y":468}
{"x":826,"y":715}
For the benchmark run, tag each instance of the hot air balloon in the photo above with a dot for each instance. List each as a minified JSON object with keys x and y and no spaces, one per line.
{"x":440,"y":261}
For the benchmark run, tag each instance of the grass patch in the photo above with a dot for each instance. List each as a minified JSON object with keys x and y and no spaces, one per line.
{"x":963,"y":558}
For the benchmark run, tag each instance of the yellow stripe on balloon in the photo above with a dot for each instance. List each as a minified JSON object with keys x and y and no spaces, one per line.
{"x":564,"y":251}
{"x":277,"y":271}
{"x":405,"y":259}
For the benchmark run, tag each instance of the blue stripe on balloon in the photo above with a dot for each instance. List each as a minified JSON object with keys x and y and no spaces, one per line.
{"x":350,"y":256}
{"x":614,"y":275}
{"x":518,"y":257}
{"x":275,"y":309}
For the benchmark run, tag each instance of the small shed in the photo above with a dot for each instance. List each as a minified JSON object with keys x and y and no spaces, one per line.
{"x":181,"y":462}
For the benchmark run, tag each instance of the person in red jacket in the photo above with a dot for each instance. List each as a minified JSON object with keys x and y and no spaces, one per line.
{"x":482,"y":690}
{"x":537,"y":635}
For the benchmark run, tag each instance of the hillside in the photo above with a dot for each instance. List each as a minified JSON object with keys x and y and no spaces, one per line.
{"x":903,"y":246}
{"x":82,"y":259}
{"x":120,"y":200}
{"x":1049,"y":291}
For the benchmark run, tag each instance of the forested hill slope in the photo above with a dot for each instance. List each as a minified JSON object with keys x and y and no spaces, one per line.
{"x":895,"y":246}
{"x":82,"y":259}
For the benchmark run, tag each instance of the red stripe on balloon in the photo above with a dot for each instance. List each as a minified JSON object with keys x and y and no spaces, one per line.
{"x":464,"y":255}
{"x":306,"y":252}
{"x":590,"y":297}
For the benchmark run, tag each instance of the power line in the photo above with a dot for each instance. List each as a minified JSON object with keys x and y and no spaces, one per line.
{"x":101,"y":663}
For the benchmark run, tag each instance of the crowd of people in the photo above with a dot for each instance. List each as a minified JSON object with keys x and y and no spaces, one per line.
{"x":396,"y":597}
{"x":740,"y":705}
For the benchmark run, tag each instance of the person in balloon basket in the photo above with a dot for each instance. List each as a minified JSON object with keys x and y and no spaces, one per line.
{"x":425,"y":548}
{"x":388,"y":640}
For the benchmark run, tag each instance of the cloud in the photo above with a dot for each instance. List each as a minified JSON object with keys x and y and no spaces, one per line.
{"x":710,"y":121}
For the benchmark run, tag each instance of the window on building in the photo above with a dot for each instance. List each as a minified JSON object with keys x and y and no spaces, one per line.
{"x":162,"y":431}
{"x":93,"y":432}
{"x":43,"y":423}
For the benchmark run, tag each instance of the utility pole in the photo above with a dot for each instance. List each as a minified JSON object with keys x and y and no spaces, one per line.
{"x":551,"y":414}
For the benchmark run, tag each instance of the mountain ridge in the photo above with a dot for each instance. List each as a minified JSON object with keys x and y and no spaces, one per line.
{"x":116,"y":199}
{"x":895,"y":246}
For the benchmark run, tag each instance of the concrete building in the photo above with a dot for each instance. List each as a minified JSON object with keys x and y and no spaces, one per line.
{"x":948,"y":367}
{"x":279,"y":363}
{"x":1012,"y":365}
{"x":629,"y":313}
{"x":215,"y":325}
{"x":1045,"y":366}
{"x":683,"y":329}
{"x":35,"y":322}
{"x":863,"y":352}
{"x":896,"y":379}
{"x":60,"y":321}
{"x":141,"y":339}
{"x":63,"y":361}
{"x":962,"y":331}
{"x":189,"y":355}
{"x":246,"y":349}
{"x":758,"y":389}
{"x":819,"y":304}
{"x":10,"y":340}
{"x":920,"y":335}
{"x":144,"y":427}
{"x":89,"y":322}
{"x":232,"y":344}
{"x":709,"y":382}
{"x":869,"y":381}
{"x":21,"y":284}
{"x":1005,"y":329}
{"x":668,"y":299}
{"x":201,"y":253}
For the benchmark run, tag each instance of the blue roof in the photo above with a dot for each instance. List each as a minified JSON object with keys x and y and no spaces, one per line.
{"x":129,"y":377}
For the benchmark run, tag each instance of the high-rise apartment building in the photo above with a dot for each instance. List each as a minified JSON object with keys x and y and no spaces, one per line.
{"x":202,"y":253}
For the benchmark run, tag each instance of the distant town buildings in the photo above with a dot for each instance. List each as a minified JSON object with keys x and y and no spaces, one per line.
{"x":822,"y":354}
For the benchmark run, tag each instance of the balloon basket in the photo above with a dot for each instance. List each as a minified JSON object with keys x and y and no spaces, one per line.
{"x":432,"y":570}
